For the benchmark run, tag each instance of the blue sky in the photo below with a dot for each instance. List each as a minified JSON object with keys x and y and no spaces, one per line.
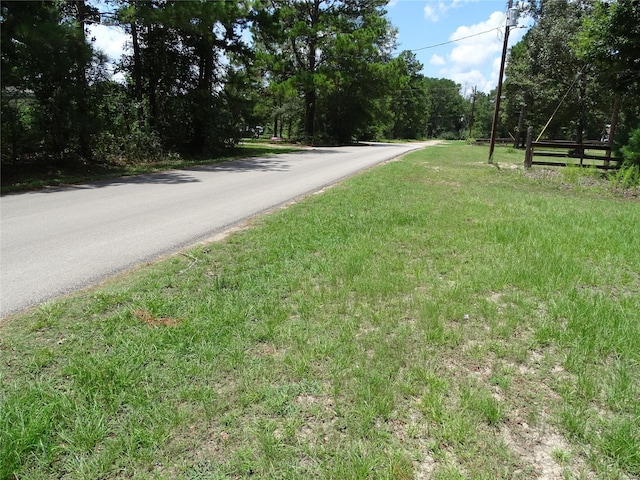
{"x":472,"y":62}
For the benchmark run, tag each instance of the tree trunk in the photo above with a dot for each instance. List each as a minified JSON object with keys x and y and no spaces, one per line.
{"x":81,"y":78}
{"x":581,"y":116}
{"x":516,"y":142}
{"x":137,"y":71}
{"x":310,"y":94}
{"x":153,"y":80}
{"x":309,"y":114}
{"x":202,"y":118}
{"x":617,"y":100}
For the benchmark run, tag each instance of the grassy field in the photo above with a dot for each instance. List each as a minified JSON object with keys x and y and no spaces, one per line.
{"x":435,"y":317}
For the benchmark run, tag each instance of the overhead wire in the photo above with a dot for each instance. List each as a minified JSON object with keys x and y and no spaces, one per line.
{"x":498,"y":29}
{"x":453,"y":41}
{"x":559,"y":104}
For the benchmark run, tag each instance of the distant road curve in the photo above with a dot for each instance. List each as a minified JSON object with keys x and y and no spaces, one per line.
{"x":59,"y":240}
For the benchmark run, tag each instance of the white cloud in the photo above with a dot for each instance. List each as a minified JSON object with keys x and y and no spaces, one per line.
{"x":476,"y":60}
{"x":434,"y":11}
{"x":431,"y":13}
{"x":476,"y":50}
{"x":113,"y":42}
{"x":471,"y":78}
{"x":110,"y":40}
{"x":437,"y":60}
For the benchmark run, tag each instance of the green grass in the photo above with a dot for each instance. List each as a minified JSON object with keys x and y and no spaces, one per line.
{"x":40,"y":174}
{"x":435,"y":317}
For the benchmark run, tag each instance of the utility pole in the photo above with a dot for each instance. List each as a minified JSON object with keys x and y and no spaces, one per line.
{"x":512,"y":19}
{"x":473,"y":104}
{"x":516,"y":141}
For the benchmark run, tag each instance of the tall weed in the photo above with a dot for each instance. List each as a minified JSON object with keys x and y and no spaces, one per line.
{"x":628,"y":176}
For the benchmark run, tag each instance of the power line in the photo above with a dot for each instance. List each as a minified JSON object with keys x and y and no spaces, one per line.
{"x":464,"y":38}
{"x":453,"y":41}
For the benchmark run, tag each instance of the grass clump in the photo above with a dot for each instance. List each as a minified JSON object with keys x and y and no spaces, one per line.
{"x":435,"y":317}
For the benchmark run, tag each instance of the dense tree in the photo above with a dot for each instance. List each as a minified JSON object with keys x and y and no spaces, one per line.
{"x":482,"y":107}
{"x":547,"y":81}
{"x":319,"y":70}
{"x":316,"y":69}
{"x":332,"y":53}
{"x":577,"y":69}
{"x":409,"y":100}
{"x":447,"y":108}
{"x":609,"y":41}
{"x":45,"y":89}
{"x":179,"y":68}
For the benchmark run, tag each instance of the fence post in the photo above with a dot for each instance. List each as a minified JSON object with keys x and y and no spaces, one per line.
{"x":528,"y":156}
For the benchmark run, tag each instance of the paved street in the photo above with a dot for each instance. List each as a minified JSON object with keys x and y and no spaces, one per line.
{"x":59,"y":240}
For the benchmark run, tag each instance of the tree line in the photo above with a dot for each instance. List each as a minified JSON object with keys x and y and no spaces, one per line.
{"x":576,"y":73}
{"x":201,"y":74}
{"x":198,"y":75}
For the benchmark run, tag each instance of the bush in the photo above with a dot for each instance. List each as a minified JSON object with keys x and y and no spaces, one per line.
{"x":631,"y":151}
{"x":138,"y":145}
{"x":628,"y":176}
{"x":449,"y":136}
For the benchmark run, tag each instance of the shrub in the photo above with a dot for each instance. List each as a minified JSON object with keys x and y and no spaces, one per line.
{"x":628,"y":176}
{"x":137,"y":145}
{"x":631,"y":151}
{"x":449,"y":136}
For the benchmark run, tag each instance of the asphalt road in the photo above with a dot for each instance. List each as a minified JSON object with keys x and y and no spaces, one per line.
{"x":59,"y":240}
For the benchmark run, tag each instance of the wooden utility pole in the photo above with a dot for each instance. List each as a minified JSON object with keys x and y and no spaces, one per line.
{"x":614,"y":123}
{"x":516,"y":141}
{"x":496,"y":111}
{"x":528,"y":156}
{"x":473,"y":104}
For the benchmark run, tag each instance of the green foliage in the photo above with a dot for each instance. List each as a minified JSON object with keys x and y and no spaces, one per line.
{"x":631,"y":151}
{"x":137,"y":146}
{"x":19,"y":131}
{"x":122,"y":138}
{"x":192,"y":84}
{"x":609,"y":39}
{"x":339,"y":77}
{"x":482,"y":114}
{"x":409,"y":99}
{"x":544,"y":72}
{"x":447,"y":109}
{"x":318,"y":70}
{"x":57,"y":103}
{"x":178,"y":73}
{"x":627,"y":176}
{"x":46,"y":58}
{"x":577,"y":58}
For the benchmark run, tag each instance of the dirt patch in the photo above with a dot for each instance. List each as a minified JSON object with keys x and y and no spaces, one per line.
{"x":152,"y":321}
{"x":263,"y":349}
{"x":545,"y":450}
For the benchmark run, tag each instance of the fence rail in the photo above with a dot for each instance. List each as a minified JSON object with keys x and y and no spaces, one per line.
{"x":562,"y":152}
{"x":501,"y":140}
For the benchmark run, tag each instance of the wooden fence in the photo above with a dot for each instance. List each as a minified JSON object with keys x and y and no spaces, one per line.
{"x":562,"y":153}
{"x":500,"y":141}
